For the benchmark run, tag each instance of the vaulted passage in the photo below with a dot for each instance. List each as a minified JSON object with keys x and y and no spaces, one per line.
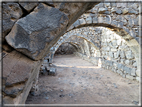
{"x":80,"y":82}
{"x":71,"y":53}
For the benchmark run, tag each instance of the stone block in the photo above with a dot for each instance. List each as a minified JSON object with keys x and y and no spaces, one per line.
{"x":52,"y":71}
{"x":125,"y":10}
{"x":130,"y":77}
{"x":76,"y":23}
{"x":119,"y":42}
{"x":132,"y":11}
{"x":127,"y":62}
{"x":133,"y":72}
{"x":100,"y":19}
{"x":115,"y":64}
{"x":135,"y":64}
{"x":45,"y":61}
{"x":114,"y":23}
{"x":111,"y":54}
{"x":138,"y":79}
{"x":132,"y":33}
{"x":127,"y":70}
{"x":120,"y":66}
{"x":107,"y":48}
{"x":138,"y":73}
{"x":120,"y":24}
{"x":102,"y":10}
{"x":95,"y":20}
{"x":89,"y":20}
{"x":42,"y":68}
{"x":118,"y":11}
{"x":114,"y":42}
{"x":82,"y":21}
{"x":129,"y":55}
{"x":116,"y":54}
{"x":113,"y":10}
{"x":122,"y":55}
{"x":122,"y":61}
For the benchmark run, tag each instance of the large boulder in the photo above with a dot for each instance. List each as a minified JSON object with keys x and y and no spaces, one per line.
{"x":36,"y":33}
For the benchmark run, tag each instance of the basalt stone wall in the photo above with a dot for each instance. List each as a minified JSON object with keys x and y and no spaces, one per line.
{"x":105,"y":48}
{"x":122,"y":18}
{"x":117,"y":55}
{"x":36,"y":36}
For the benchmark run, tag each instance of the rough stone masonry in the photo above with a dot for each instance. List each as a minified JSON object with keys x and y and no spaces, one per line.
{"x":31,"y":30}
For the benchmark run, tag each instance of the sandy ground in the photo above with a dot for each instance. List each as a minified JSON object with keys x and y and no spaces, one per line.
{"x":79,"y":82}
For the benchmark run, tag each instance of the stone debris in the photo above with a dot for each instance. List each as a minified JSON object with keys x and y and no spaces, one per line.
{"x":52,"y":72}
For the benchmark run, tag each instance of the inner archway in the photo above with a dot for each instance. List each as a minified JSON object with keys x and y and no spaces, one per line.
{"x":77,"y":79}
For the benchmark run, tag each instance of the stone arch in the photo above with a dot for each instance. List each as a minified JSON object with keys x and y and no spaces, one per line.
{"x":66,"y":38}
{"x":133,"y":44}
{"x":124,"y":33}
{"x":122,"y":18}
{"x":23,"y":39}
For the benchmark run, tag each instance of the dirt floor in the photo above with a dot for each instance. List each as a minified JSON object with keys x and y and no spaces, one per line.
{"x":79,"y":82}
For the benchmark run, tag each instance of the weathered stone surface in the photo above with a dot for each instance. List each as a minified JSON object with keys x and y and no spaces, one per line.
{"x":14,"y":91}
{"x":138,"y":72}
{"x":122,"y":54}
{"x":116,"y":55}
{"x":129,"y":55}
{"x":76,"y":23}
{"x":119,"y":11}
{"x":128,"y":62}
{"x":125,"y":10}
{"x":82,"y":21}
{"x":18,"y":75}
{"x":114,"y":42}
{"x":132,"y":11}
{"x":111,"y":54}
{"x":28,"y":6}
{"x":133,"y":72}
{"x":100,"y":19}
{"x":102,"y":10}
{"x":52,"y":71}
{"x":21,"y":67}
{"x":11,"y":13}
{"x":36,"y":35}
{"x":113,"y":10}
{"x":95,"y":19}
{"x":138,"y":79}
{"x":127,"y":70}
{"x":130,"y":77}
{"x":135,"y":64}
{"x":113,"y":49}
{"x":107,"y":48}
{"x":89,"y":20}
